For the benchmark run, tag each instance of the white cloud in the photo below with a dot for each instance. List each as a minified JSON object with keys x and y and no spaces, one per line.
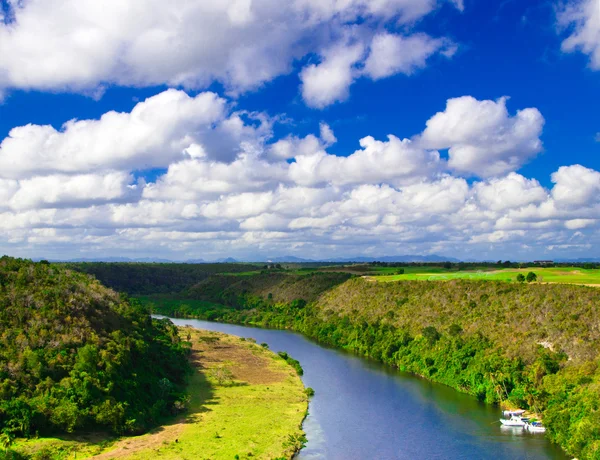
{"x":397,"y":161}
{"x":512,"y":191}
{"x":576,"y":185}
{"x":195,"y":178}
{"x":481,"y":136}
{"x":359,"y":54}
{"x":329,"y":82}
{"x":83,"y":45}
{"x":250,"y":193}
{"x":72,"y":191}
{"x":327,"y":135}
{"x":391,"y":54}
{"x":157,"y":132}
{"x":576,"y":224}
{"x":583,"y":19}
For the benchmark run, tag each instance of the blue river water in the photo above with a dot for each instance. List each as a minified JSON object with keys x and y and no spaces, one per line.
{"x":364,"y":410}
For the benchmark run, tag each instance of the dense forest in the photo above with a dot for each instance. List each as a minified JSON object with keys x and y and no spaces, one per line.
{"x":144,"y":278}
{"x":536,"y":346}
{"x":75,"y":355}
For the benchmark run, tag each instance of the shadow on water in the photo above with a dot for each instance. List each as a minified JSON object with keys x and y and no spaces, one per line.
{"x":363,"y":409}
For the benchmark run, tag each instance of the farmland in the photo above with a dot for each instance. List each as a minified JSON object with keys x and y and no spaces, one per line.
{"x":566,"y":275}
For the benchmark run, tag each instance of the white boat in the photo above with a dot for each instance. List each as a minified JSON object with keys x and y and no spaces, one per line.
{"x":514,"y":421}
{"x":536,"y":427}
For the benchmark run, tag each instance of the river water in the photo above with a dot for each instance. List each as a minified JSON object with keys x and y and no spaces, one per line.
{"x":364,"y":410}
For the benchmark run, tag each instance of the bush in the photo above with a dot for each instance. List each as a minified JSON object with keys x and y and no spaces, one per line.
{"x":531,"y":277}
{"x":292,"y":362}
{"x":431,"y":334}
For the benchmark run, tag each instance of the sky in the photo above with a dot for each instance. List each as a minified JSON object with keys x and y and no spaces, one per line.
{"x":313,"y":128}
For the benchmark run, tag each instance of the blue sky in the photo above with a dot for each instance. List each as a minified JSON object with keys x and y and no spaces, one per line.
{"x":293,"y":93}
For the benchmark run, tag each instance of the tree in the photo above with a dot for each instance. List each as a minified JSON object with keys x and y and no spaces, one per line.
{"x":6,"y":440}
{"x":521,"y":278}
{"x":531,"y":277}
{"x":455,"y":330}
{"x":431,"y":334}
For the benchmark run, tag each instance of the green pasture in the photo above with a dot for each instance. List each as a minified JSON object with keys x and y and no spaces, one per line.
{"x":568,"y":275}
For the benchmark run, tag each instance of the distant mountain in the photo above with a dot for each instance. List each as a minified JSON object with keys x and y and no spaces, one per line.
{"x":579,"y":261}
{"x":403,"y":258}
{"x":117,"y":259}
{"x":289,"y":259}
{"x":227,"y":260}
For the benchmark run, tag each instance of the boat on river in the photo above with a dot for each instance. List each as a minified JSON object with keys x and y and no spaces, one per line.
{"x":535,"y":427}
{"x":515,"y":421}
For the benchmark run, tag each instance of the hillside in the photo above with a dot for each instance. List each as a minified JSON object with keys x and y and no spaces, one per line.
{"x":536,"y":345}
{"x":276,"y":286}
{"x":152,"y":278}
{"x":75,"y":355}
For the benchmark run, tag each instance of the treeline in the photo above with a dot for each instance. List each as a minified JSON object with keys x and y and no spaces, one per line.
{"x":537,"y":346}
{"x":75,"y":355}
{"x":149,"y":278}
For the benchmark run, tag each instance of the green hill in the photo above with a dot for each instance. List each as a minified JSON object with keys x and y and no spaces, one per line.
{"x":75,"y":355}
{"x":152,"y":278}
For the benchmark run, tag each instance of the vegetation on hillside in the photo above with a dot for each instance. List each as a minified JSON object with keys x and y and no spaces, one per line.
{"x":143,"y":278}
{"x":75,"y":355}
{"x":536,"y":345}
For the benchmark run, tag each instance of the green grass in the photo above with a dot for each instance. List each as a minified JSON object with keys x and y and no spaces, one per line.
{"x":568,"y":275}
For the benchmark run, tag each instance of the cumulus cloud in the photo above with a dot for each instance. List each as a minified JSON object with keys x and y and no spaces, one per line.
{"x":582,"y":18}
{"x":482,"y":138}
{"x":82,"y":45}
{"x":252,"y":192}
{"x":157,"y":132}
{"x":394,"y":160}
{"x":360,"y":55}
{"x":509,"y":192}
{"x":391,"y":54}
{"x":329,"y":82}
{"x":72,"y":191}
{"x":576,"y":185}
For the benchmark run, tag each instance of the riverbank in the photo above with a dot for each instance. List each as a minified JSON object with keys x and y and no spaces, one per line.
{"x":245,"y":402}
{"x":493,"y":340}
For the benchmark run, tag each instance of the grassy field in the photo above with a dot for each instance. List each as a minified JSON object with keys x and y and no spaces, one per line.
{"x":568,"y":275}
{"x":246,"y":402}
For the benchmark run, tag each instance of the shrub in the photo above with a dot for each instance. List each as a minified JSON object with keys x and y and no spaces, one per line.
{"x":531,"y":277}
{"x":431,"y":334}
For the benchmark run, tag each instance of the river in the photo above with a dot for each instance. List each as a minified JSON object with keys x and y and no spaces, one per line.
{"x":364,"y":410}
